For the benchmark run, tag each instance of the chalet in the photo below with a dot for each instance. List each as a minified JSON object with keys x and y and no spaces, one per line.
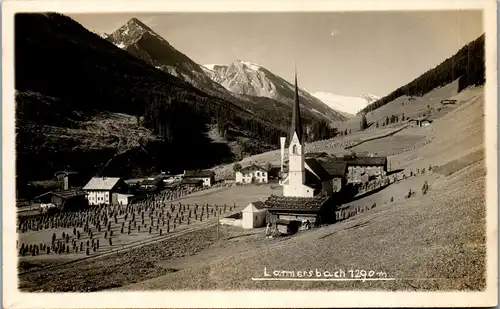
{"x":191,"y":183}
{"x":150,"y":185}
{"x":252,"y":174}
{"x":206,"y":176}
{"x":65,"y":199}
{"x":369,"y":166}
{"x":425,"y":122}
{"x":448,"y":102}
{"x":420,"y":122}
{"x":104,"y":190}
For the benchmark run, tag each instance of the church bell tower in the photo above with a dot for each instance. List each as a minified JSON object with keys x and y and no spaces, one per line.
{"x":295,"y":185}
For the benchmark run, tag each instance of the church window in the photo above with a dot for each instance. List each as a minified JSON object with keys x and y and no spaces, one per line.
{"x":294,"y":149}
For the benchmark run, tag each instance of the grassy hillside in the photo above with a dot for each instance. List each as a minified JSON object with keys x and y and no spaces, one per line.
{"x":467,"y":65}
{"x":430,"y":242}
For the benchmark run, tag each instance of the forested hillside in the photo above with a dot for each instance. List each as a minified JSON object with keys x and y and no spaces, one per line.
{"x":67,"y":77}
{"x":467,"y":65}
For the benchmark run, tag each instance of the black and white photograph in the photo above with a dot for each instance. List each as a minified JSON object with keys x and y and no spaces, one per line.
{"x":329,"y":147}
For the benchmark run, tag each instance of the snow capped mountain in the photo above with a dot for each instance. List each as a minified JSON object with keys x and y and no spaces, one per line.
{"x":102,"y":35}
{"x":141,"y":41}
{"x":346,"y":104}
{"x":242,"y":80}
{"x":249,"y":78}
{"x":370,"y":98}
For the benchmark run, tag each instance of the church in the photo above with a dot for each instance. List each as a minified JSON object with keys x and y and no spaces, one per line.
{"x":310,"y":184}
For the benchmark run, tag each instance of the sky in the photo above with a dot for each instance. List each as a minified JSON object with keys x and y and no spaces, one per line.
{"x":344,"y":53}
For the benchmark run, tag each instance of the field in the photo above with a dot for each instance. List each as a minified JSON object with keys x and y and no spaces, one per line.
{"x":161,"y":217}
{"x":433,"y":241}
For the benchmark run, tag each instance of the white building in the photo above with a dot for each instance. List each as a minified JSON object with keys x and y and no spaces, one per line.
{"x":252,"y":174}
{"x":124,"y":199}
{"x":104,"y":190}
{"x":254,"y":216}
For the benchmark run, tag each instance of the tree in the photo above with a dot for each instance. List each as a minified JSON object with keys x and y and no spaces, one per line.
{"x":363,"y":124}
{"x":268,"y":166}
{"x":236,"y":167}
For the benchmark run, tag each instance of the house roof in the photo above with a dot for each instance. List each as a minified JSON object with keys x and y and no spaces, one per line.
{"x":366,"y":161}
{"x":133,"y":181}
{"x":335,"y":168}
{"x":295,"y":204}
{"x":67,"y":194}
{"x":254,"y":207}
{"x":252,"y":166}
{"x":316,"y":154}
{"x":199,"y":174}
{"x":102,"y":183}
{"x":316,"y":167}
{"x":153,"y":182}
{"x":191,"y":181}
{"x":66,"y":172}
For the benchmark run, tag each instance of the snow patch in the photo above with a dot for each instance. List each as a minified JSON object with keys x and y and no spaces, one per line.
{"x":120,"y":45}
{"x":211,"y":67}
{"x":251,"y":65}
{"x":346,"y":104}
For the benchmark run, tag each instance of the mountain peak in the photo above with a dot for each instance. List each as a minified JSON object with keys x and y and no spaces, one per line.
{"x":137,"y":23}
{"x":248,"y":64}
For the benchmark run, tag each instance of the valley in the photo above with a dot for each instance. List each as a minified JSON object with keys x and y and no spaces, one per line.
{"x":184,"y":186}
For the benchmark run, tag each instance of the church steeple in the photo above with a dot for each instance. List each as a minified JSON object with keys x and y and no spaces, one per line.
{"x":296,"y":119}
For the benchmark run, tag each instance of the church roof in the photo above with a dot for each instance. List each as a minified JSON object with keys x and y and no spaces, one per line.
{"x":295,"y":204}
{"x":316,"y":167}
{"x":296,"y":119}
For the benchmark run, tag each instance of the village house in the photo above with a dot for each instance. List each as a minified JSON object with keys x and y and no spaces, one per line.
{"x":363,"y":169}
{"x":206,"y":176}
{"x":65,"y":199}
{"x":252,"y":174}
{"x":191,"y":183}
{"x":425,"y":122}
{"x":105,"y":190}
{"x":150,"y":185}
{"x":420,"y":121}
{"x":448,"y":102}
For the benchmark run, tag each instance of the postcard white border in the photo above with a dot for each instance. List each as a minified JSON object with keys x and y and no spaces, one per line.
{"x":14,"y":299}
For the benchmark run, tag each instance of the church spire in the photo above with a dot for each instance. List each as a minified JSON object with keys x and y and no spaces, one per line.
{"x":296,"y":119}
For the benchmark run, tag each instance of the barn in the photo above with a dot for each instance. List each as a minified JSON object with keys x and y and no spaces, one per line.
{"x":206,"y":176}
{"x":315,"y":210}
{"x":64,"y":199}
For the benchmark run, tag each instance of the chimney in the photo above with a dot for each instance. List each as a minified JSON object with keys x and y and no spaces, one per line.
{"x":65,"y":182}
{"x":282,"y":140}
